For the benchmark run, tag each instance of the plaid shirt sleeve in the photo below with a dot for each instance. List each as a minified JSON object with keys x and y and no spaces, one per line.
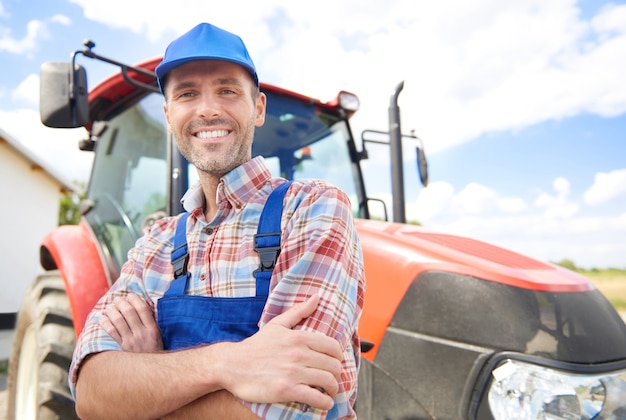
{"x":93,"y":339}
{"x":320,"y":254}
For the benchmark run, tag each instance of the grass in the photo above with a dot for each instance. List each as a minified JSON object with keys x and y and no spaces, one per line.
{"x":611,"y":282}
{"x":4,"y":367}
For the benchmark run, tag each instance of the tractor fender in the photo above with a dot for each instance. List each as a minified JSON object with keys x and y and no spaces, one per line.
{"x":72,"y":250}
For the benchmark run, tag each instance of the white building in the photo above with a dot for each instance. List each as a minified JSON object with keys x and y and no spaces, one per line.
{"x":30,"y":195}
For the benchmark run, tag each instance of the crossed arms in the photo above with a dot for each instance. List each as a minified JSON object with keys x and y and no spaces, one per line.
{"x":277,"y":364}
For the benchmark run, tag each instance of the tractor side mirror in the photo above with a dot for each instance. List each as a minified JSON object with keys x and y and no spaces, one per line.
{"x":422,"y":166}
{"x":63,"y":95}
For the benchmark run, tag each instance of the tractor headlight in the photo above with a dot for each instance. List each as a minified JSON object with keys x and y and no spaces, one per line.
{"x":349,"y":101}
{"x":522,"y":390}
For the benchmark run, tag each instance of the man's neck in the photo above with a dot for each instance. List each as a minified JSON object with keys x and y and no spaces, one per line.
{"x":209,"y":187}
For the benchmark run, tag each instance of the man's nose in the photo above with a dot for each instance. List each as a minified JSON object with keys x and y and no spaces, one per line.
{"x":208,"y":106}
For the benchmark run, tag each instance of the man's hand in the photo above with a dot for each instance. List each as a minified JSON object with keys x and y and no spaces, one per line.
{"x":130,"y":322}
{"x":279,"y":364}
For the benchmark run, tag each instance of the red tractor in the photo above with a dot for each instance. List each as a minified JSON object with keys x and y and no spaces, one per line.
{"x":452,"y":328}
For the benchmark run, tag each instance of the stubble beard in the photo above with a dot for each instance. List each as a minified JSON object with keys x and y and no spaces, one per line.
{"x":212,"y":159}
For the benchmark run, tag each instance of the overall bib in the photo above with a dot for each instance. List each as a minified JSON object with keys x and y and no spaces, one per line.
{"x":187,"y":320}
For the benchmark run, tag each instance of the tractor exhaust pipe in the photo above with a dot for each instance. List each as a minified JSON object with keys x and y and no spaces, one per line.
{"x":395,"y":147}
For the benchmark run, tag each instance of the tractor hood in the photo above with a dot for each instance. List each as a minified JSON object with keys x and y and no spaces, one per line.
{"x":472,"y":292}
{"x":412,"y":249}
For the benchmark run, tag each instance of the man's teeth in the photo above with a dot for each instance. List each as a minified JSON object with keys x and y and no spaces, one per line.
{"x":212,"y":134}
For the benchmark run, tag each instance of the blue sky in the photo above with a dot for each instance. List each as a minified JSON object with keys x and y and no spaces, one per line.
{"x":521,"y":105}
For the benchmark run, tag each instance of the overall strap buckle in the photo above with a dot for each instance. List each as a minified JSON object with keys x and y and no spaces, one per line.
{"x":267,"y":245}
{"x":180,"y":258}
{"x":180,"y":254}
{"x":267,"y":238}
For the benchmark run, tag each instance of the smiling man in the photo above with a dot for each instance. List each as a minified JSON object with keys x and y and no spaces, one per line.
{"x":229,"y":343}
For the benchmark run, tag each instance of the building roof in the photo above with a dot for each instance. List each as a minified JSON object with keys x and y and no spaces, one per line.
{"x":35,"y":161}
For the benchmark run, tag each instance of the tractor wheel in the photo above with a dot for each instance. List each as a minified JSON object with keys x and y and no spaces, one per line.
{"x":41,"y":354}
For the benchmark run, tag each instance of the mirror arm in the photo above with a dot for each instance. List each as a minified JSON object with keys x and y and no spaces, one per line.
{"x":87,"y":52}
{"x":71,"y":92}
{"x":142,"y":85}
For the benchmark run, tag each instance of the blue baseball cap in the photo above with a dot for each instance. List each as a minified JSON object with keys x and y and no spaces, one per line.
{"x":205,"y":42}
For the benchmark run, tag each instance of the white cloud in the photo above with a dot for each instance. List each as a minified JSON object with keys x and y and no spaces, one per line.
{"x":35,"y":30}
{"x":28,"y":90}
{"x":561,"y":186}
{"x":439,"y":202}
{"x":512,"y":205}
{"x":61,"y":19}
{"x":612,"y":18}
{"x":475,"y":63}
{"x":551,"y":230}
{"x":158,"y":20}
{"x":476,"y":199}
{"x":431,"y":201}
{"x":559,"y":205}
{"x":606,"y":187}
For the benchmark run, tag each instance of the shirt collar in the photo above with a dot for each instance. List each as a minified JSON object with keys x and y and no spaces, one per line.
{"x":236,"y":187}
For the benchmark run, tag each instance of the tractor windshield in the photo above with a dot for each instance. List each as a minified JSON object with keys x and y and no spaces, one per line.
{"x":299,"y":140}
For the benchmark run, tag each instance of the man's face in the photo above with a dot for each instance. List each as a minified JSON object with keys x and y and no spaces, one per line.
{"x":211,"y":111}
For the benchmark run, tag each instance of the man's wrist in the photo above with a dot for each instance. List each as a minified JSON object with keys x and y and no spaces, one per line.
{"x":217,"y":363}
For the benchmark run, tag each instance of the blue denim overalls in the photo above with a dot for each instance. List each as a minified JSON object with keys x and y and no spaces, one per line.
{"x":187,"y":320}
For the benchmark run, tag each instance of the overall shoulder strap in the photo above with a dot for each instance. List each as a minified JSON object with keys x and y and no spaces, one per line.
{"x":180,"y":257}
{"x":266,"y":244}
{"x":267,"y":238}
{"x":180,"y":254}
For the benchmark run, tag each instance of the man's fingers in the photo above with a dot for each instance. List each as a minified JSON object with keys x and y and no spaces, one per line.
{"x":116,"y":317}
{"x":322,"y":362}
{"x":312,"y":396}
{"x":326,"y":345}
{"x":130,"y":322}
{"x":108,"y":326}
{"x":142,"y":308}
{"x":315,"y":341}
{"x":128,"y":312}
{"x":297,"y":313}
{"x":323,"y":381}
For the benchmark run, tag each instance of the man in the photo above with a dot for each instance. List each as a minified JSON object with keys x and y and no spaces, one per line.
{"x":303,"y":361}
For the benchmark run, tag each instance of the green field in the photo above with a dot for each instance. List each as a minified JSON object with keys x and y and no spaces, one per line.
{"x":611,"y":282}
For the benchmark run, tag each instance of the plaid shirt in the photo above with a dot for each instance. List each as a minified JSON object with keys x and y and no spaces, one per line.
{"x":320,"y":254}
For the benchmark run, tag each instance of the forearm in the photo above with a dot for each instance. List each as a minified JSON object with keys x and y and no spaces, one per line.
{"x":217,"y":405}
{"x":130,"y":385}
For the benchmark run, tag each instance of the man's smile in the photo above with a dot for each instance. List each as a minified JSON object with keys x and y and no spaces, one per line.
{"x":212,"y":134}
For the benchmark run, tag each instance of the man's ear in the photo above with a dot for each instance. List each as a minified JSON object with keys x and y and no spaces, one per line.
{"x":167,"y":117}
{"x":261,"y":102}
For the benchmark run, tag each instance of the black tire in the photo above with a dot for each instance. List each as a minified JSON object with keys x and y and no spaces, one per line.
{"x":41,"y":354}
